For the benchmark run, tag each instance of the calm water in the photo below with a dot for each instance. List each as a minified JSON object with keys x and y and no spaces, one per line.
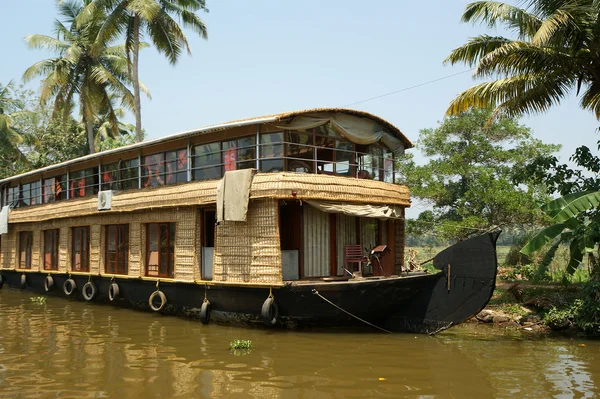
{"x":68,"y":349}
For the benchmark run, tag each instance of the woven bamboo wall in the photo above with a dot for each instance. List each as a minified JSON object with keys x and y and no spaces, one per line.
{"x":264,"y":185}
{"x":329,"y":188}
{"x":185,"y":256}
{"x":249,"y":252}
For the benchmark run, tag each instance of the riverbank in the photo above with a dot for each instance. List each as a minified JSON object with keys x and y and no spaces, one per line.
{"x":533,"y":309}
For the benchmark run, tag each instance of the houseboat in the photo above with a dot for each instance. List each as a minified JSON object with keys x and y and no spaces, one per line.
{"x":287,"y":220}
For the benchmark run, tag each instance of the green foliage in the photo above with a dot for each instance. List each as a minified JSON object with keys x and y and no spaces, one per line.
{"x":576,"y":214}
{"x":157,"y":19}
{"x":469,"y":177}
{"x":241,"y":347}
{"x":80,"y":72}
{"x":46,"y":141}
{"x":588,"y":317}
{"x":554,"y":52}
{"x":563,"y":318}
{"x":38,"y":299}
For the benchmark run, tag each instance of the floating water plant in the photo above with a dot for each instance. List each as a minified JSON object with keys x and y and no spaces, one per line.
{"x":240,"y":344}
{"x":240,"y":347}
{"x":38,"y":299}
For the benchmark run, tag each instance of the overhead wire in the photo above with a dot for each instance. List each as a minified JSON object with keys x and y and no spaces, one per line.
{"x":408,"y":88}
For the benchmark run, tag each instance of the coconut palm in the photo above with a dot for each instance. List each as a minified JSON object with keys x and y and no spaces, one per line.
{"x":78,"y":73}
{"x":556,"y":49}
{"x":10,"y":138}
{"x":155,"y":18}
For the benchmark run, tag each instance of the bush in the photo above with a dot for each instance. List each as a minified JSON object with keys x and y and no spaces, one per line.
{"x":561,"y":319}
{"x":588,"y":317}
{"x":516,"y":258}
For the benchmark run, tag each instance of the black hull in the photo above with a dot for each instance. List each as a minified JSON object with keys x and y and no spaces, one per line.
{"x":418,"y":302}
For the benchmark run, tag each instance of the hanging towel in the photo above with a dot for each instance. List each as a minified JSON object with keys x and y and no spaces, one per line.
{"x":233,"y":194}
{"x":4,"y":220}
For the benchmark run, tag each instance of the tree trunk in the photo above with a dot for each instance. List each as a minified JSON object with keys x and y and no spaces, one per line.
{"x":89,"y":128}
{"x":136,"y":81}
{"x":594,"y":267}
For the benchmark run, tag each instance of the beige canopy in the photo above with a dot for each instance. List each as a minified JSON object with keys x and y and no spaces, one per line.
{"x":381,"y":212}
{"x":356,"y":129}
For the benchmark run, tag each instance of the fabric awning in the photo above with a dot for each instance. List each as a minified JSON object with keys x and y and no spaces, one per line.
{"x":356,"y":129}
{"x":381,"y":212}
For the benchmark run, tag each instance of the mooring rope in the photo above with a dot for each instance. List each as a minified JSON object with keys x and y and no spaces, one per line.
{"x":314,"y":291}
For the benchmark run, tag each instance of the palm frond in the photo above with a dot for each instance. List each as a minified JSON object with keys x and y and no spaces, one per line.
{"x":493,"y":13}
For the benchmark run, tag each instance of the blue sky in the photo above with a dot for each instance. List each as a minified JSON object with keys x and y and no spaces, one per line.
{"x":269,"y":56}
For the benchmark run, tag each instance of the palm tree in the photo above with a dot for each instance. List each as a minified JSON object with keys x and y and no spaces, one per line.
{"x":557,"y":48}
{"x":10,"y":138}
{"x":133,"y":18}
{"x":78,"y":72}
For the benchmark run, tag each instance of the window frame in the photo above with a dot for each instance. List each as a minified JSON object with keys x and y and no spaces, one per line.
{"x":121,"y":250}
{"x":52,"y":236}
{"x":170,"y":250}
{"x":84,"y":248}
{"x":25,"y":238}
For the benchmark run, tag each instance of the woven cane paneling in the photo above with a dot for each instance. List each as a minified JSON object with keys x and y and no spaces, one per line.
{"x":185,"y":256}
{"x":249,"y":252}
{"x":9,"y":250}
{"x":135,"y":250}
{"x":329,"y":188}
{"x":64,"y":249}
{"x":198,"y":260}
{"x":95,"y":231}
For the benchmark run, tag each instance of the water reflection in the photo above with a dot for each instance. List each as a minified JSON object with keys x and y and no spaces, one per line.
{"x":70,"y":349}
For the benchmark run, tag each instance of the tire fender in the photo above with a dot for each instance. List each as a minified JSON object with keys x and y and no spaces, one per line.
{"x":163,"y":300}
{"x":205,"y":312}
{"x":269,"y":312}
{"x":69,"y":287}
{"x":89,"y":291}
{"x":48,"y":283}
{"x":113,"y":291}
{"x":1,"y":281}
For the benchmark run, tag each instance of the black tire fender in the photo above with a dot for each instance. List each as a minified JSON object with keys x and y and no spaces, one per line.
{"x":113,"y":291}
{"x":69,"y":287}
{"x":48,"y":283}
{"x":1,"y":281}
{"x":23,"y":281}
{"x":269,"y":312}
{"x":205,"y":312}
{"x":89,"y":291}
{"x":163,"y":300}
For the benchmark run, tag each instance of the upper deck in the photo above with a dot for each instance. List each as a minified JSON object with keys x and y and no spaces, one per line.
{"x":325,"y":142}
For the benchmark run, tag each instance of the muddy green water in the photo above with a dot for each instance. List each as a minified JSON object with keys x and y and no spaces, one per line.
{"x":69,"y":349}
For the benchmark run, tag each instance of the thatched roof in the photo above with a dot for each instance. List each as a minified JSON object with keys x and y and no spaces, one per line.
{"x":220,"y":127}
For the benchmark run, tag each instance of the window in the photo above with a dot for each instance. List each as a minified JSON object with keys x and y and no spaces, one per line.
{"x":300,"y":152}
{"x":51,"y":249}
{"x":80,"y":250}
{"x":271,"y":152}
{"x":13,"y":197}
{"x":207,"y":161}
{"x":54,"y":189}
{"x":83,"y":183}
{"x":122,"y":175}
{"x":239,"y":154}
{"x":160,"y":241}
{"x":31,"y":193}
{"x":165,"y":168}
{"x":117,"y":248}
{"x":25,"y":242}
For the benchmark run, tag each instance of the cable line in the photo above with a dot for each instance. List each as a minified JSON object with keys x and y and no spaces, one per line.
{"x":407,"y":88}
